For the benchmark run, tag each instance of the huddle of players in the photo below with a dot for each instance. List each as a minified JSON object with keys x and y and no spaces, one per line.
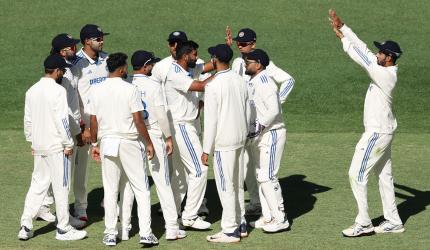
{"x":159,"y":113}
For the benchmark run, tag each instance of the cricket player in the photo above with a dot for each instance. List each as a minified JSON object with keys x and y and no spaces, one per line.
{"x":246,"y":40}
{"x":115,"y":108}
{"x":267,"y":135}
{"x":46,"y":126}
{"x":90,"y":70}
{"x":183,"y":109}
{"x":225,"y":133}
{"x":158,"y":127}
{"x":373,"y":151}
{"x":159,"y":74}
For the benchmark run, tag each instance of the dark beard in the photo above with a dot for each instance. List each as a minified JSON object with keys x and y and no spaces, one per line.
{"x":191,"y":64}
{"x":59,"y":80}
{"x":124,"y":76}
{"x":249,"y":73}
{"x":71,"y":58}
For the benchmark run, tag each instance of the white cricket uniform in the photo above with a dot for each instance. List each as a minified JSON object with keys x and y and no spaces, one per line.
{"x":226,"y":129}
{"x":46,"y":126}
{"x":268,"y":145}
{"x":122,"y":152}
{"x":183,"y":108}
{"x":151,"y":96}
{"x":87,"y":73}
{"x":373,"y":151}
{"x":286,"y":84}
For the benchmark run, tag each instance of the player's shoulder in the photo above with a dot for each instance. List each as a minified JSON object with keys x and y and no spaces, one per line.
{"x":237,"y":60}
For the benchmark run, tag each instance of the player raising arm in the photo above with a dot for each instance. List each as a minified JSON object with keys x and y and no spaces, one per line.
{"x":373,"y":151}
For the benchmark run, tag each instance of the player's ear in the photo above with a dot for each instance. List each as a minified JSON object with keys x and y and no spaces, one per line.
{"x":254,"y":45}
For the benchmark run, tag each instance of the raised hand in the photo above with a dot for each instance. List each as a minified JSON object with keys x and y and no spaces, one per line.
{"x":228,"y":36}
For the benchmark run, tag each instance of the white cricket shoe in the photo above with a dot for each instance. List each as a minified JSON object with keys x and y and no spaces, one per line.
{"x":260,"y":223}
{"x":276,"y":226}
{"x":124,"y":233}
{"x":45,"y":214}
{"x":388,"y":227}
{"x":76,"y":223}
{"x":70,"y":234}
{"x":253,"y":209}
{"x":149,"y":240}
{"x":109,"y":240}
{"x":175,"y":234}
{"x":197,"y":223}
{"x":223,"y":238}
{"x":358,"y":230}
{"x":203,"y":210}
{"x":25,"y":233}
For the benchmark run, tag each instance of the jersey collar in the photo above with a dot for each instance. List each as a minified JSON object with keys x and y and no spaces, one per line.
{"x":90,"y":60}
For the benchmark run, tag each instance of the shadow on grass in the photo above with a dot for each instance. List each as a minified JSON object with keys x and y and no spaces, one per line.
{"x":413,"y":204}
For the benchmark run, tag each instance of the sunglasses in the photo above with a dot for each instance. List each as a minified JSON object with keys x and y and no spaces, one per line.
{"x":244,"y":44}
{"x":248,"y":62}
{"x":97,"y":39}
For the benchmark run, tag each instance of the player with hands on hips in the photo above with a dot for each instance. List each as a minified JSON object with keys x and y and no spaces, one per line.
{"x":373,"y":151}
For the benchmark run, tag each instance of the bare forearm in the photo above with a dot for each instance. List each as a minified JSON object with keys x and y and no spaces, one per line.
{"x":93,"y":128}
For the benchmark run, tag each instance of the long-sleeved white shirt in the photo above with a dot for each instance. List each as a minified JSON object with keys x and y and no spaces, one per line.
{"x":69,"y":82}
{"x":378,"y":113}
{"x":89,"y":73}
{"x":279,"y":76}
{"x":113,"y":103}
{"x":226,"y":108}
{"x":265,"y":103}
{"x":46,"y":123}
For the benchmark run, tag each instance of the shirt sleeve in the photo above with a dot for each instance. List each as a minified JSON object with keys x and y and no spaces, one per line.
{"x":210,"y":119}
{"x":61,"y":111}
{"x":73,"y":102}
{"x":27,"y":120}
{"x":282,"y":78}
{"x":359,"y":53}
{"x":268,"y":103}
{"x":181,"y":81}
{"x":156,"y":73}
{"x":135,"y":101}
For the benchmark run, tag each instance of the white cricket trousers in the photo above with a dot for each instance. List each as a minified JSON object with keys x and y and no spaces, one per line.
{"x":129,"y":165}
{"x":188,"y":167}
{"x":373,"y":151}
{"x":229,"y":181}
{"x":159,"y":168}
{"x":268,"y":149}
{"x":52,"y":169}
{"x":250,"y":178}
{"x":80,"y":178}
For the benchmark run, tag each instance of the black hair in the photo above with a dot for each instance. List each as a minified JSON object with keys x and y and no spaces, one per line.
{"x":185,"y":48}
{"x":116,"y":60}
{"x":137,"y":67}
{"x":49,"y":71}
{"x":388,"y":53}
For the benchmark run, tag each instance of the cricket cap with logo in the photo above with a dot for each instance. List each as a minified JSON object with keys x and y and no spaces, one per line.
{"x":389,"y":47}
{"x":177,"y":36}
{"x":62,"y":41}
{"x":91,"y":31}
{"x":246,"y":35}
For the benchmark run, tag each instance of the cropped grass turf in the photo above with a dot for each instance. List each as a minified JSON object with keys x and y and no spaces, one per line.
{"x":323,"y":113}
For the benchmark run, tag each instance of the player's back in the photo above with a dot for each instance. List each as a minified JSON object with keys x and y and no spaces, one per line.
{"x":229,"y":91}
{"x":42,"y":100}
{"x":113,"y":103}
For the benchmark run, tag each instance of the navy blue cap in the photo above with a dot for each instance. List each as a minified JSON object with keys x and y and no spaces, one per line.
{"x":55,"y":61}
{"x":141,"y":58}
{"x":246,"y":35}
{"x":62,"y":41}
{"x":221,"y":51}
{"x":91,"y":31}
{"x":177,"y":36}
{"x":389,"y":47}
{"x":259,"y":56}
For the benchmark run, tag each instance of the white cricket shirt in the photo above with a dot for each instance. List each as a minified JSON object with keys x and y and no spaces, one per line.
{"x":226,"y":107}
{"x":182,"y":103}
{"x":113,"y":103}
{"x":279,"y":76}
{"x":151,"y":96}
{"x":378,"y":113}
{"x":264,"y":99}
{"x":46,"y":123}
{"x":89,"y":73}
{"x":69,"y":82}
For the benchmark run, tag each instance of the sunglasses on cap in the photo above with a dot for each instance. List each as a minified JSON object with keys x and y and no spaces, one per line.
{"x":97,"y":39}
{"x":244,"y":44}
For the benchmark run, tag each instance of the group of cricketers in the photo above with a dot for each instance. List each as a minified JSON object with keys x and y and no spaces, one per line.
{"x":150,"y":122}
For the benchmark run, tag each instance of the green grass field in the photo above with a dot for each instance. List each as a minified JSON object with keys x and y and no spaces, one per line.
{"x":323,"y":113}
